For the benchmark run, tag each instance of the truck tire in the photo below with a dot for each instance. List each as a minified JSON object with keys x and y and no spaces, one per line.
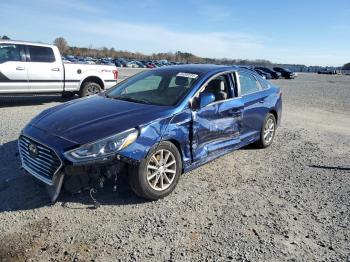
{"x":89,"y":89}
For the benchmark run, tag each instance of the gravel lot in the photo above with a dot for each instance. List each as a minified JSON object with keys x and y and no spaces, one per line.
{"x":290,"y":202}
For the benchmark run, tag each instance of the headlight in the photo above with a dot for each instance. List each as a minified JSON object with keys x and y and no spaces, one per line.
{"x":102,"y":149}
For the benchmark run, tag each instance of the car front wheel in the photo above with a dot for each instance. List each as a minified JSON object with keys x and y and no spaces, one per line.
{"x":158,"y":174}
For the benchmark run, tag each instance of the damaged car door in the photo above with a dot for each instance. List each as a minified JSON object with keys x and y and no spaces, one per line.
{"x":217,"y":120}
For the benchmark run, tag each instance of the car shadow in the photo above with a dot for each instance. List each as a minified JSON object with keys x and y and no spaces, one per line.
{"x":13,"y":101}
{"x":331,"y":167}
{"x":21,"y":191}
{"x":250,"y":147}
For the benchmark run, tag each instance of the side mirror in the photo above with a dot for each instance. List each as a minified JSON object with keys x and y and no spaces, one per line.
{"x":205,"y":99}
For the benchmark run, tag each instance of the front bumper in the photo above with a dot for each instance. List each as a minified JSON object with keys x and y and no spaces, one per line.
{"x":38,"y":159}
{"x":49,"y":165}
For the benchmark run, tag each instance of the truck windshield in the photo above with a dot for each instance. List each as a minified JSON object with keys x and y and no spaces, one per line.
{"x":158,"y":87}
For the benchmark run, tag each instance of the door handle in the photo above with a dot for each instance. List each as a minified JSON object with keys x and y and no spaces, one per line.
{"x":20,"y":68}
{"x":262,"y":101}
{"x":55,"y":69}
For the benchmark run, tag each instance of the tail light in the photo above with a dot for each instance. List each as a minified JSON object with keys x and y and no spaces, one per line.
{"x":115,"y":73}
{"x":279,"y":93}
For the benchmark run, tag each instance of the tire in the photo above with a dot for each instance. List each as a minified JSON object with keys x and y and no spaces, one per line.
{"x":152,"y":181}
{"x":89,"y":89}
{"x":266,"y":140}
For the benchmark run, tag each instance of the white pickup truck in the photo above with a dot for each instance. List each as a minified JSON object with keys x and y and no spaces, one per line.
{"x":33,"y":68}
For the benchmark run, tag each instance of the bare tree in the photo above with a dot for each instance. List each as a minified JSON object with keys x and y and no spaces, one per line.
{"x":61,"y":44}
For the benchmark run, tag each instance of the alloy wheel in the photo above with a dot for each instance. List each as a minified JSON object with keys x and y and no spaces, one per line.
{"x":161,"y":170}
{"x":269,"y":130}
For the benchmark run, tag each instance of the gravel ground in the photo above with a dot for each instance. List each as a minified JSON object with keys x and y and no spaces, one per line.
{"x":289,"y":202}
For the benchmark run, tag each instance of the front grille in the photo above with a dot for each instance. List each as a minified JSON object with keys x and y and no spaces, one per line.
{"x":38,"y":159}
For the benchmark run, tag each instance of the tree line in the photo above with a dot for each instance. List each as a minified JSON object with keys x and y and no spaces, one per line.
{"x":183,"y":57}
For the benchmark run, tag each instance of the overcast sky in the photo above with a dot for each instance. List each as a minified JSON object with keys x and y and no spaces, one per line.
{"x":311,"y":32}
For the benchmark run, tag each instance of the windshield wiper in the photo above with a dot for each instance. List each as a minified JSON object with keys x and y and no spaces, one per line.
{"x":130,"y":99}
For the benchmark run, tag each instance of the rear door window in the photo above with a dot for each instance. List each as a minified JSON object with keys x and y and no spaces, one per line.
{"x":41,"y":54}
{"x":263,"y":83}
{"x":248,"y":83}
{"x":10,"y":52}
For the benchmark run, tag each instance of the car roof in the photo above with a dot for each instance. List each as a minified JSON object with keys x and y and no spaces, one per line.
{"x":18,"y":42}
{"x":197,"y":68}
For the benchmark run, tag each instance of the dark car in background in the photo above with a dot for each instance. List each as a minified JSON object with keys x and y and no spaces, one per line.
{"x":327,"y":72}
{"x":286,"y":73}
{"x":153,"y":126}
{"x":274,"y":74}
{"x":264,"y":74}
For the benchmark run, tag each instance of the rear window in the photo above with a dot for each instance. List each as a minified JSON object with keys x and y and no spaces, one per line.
{"x":41,"y":54}
{"x":263,"y":83}
{"x":248,"y":83}
{"x":10,"y":52}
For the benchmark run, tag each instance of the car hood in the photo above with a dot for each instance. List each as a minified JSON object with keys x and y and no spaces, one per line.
{"x":85,"y":120}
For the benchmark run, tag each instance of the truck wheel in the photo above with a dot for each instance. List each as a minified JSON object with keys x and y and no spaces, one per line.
{"x":89,"y":89}
{"x":158,"y":174}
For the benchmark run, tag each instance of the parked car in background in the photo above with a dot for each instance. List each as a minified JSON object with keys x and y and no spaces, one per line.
{"x":65,"y":60}
{"x":140,"y":65}
{"x":264,"y":74}
{"x":155,"y":126}
{"x":71,"y":58}
{"x":27,"y":68}
{"x":327,"y":72}
{"x":106,"y":62}
{"x":118,"y":64}
{"x":286,"y":73}
{"x":274,"y":74}
{"x":132,"y":64}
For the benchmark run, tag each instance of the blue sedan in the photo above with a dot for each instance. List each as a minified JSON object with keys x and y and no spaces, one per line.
{"x":155,"y":126}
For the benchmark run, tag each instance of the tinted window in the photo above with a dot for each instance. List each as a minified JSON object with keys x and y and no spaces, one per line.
{"x":41,"y":54}
{"x":248,"y":83}
{"x":9,"y":52}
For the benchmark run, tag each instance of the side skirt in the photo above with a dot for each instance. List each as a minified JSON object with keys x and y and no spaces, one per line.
{"x":218,"y":154}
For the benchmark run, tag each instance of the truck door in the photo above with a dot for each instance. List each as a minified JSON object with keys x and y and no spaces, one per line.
{"x":45,"y":70}
{"x":13,"y":69}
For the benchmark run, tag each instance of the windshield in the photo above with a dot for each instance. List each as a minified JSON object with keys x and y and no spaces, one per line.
{"x":158,"y":87}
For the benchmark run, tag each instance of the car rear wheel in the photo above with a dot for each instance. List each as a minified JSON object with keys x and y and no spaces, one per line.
{"x":268,"y":130}
{"x":89,"y":89}
{"x":158,"y":174}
